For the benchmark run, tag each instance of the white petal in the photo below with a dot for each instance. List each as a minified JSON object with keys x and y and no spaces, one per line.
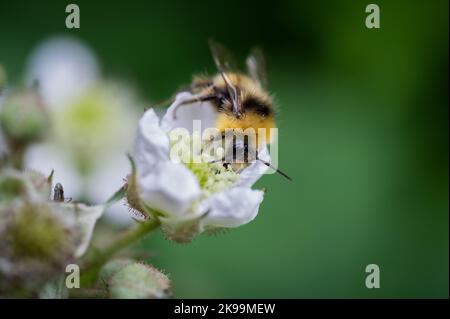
{"x":254,"y":171}
{"x":186,"y":114}
{"x":104,"y":182}
{"x":170,"y":188}
{"x":63,"y":67}
{"x":85,"y":218}
{"x":231,"y":208}
{"x":152,"y":143}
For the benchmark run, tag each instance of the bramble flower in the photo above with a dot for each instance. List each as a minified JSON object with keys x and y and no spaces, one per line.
{"x":189,"y":198}
{"x":91,"y":121}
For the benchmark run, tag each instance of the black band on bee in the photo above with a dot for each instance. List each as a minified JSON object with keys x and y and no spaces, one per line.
{"x":259,"y":106}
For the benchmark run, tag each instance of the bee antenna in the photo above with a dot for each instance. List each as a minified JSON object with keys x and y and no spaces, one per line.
{"x":232,"y":91}
{"x":221,"y":66}
{"x":275,"y":169}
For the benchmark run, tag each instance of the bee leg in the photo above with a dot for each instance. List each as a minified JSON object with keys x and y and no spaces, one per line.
{"x":202,"y":98}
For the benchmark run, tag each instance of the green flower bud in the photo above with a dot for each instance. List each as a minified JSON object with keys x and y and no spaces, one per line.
{"x":11,"y":187}
{"x":112,"y":267}
{"x":30,"y":184}
{"x":36,"y":245}
{"x":35,"y":233}
{"x":23,"y":119}
{"x":38,"y":237}
{"x":139,"y":281}
{"x":181,"y":231}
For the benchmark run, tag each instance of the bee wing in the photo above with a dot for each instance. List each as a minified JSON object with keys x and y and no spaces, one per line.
{"x":222,"y":57}
{"x":224,"y":62}
{"x":257,"y":66}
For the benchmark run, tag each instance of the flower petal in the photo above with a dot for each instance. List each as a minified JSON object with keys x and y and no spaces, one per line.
{"x":254,"y":171}
{"x":64,"y":67}
{"x":152,"y":143}
{"x":231,"y":208}
{"x":109,"y":184}
{"x":170,"y":188}
{"x":85,"y":218}
{"x":46,"y":157}
{"x":186,"y":114}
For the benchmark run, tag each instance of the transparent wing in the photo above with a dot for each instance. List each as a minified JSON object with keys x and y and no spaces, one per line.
{"x":222,"y":57}
{"x":257,"y":66}
{"x":224,"y":62}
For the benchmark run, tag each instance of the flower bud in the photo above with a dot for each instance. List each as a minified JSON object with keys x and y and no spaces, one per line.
{"x":139,"y":281}
{"x":112,"y":267}
{"x":30,"y":184}
{"x":38,"y":237}
{"x":36,"y":244}
{"x":23,"y":119}
{"x":181,"y":231}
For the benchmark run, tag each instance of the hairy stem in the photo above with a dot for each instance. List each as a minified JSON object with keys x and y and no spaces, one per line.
{"x":17,"y":156}
{"x":93,"y":266}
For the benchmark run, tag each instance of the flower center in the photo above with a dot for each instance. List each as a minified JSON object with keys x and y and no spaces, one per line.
{"x":213,"y":177}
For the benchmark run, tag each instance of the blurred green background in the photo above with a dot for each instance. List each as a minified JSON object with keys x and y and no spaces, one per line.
{"x":363,"y":118}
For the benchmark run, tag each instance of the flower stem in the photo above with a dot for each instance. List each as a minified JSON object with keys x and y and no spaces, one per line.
{"x":93,"y":266}
{"x":17,"y":156}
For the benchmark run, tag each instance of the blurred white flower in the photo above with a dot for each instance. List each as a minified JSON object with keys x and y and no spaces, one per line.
{"x":189,"y":199}
{"x":92,"y":123}
{"x":63,"y":68}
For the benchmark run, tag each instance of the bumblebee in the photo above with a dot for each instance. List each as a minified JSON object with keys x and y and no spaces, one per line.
{"x":241,"y":99}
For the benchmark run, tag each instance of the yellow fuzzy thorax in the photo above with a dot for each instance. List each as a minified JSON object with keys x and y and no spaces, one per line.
{"x":248,"y":120}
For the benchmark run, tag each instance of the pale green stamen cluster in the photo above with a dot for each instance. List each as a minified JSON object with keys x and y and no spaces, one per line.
{"x":212,"y":176}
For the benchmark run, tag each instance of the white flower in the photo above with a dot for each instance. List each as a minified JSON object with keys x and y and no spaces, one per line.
{"x":190,"y":198}
{"x":92,"y":123}
{"x":63,"y":68}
